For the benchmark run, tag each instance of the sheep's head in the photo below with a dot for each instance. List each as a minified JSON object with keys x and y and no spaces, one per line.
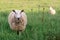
{"x":51,"y":8}
{"x":17,"y":14}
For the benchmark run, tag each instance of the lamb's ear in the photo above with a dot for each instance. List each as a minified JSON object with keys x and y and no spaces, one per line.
{"x":22,"y":10}
{"x":13,"y":10}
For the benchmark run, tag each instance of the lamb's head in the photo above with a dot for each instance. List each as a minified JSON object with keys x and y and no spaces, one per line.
{"x":17,"y":14}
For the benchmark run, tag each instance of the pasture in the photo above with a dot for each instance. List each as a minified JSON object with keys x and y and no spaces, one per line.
{"x":41,"y":25}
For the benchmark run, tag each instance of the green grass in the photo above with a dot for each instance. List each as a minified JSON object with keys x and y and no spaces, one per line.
{"x":37,"y":29}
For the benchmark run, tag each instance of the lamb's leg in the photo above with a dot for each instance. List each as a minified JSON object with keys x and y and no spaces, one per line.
{"x":17,"y":32}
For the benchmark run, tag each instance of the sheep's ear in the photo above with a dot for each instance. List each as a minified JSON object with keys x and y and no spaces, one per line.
{"x":13,"y":10}
{"x":22,"y":10}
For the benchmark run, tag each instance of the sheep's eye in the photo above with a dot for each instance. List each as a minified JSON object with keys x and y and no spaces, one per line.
{"x":15,"y":12}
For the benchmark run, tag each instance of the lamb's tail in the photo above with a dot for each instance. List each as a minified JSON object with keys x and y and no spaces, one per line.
{"x":17,"y":32}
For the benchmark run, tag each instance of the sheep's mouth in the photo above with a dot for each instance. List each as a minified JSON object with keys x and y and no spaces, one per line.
{"x":18,"y":18}
{"x":17,"y":22}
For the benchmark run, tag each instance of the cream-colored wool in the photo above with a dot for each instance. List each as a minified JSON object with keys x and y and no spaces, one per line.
{"x":52,"y":11}
{"x":17,"y":24}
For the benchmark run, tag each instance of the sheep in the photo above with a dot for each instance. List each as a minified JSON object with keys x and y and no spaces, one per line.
{"x":17,"y":20}
{"x":52,"y":11}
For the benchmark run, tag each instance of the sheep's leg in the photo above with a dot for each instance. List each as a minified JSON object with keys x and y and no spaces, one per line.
{"x":17,"y":32}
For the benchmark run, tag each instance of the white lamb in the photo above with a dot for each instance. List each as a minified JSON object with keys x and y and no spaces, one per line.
{"x":17,"y":20}
{"x":52,"y":11}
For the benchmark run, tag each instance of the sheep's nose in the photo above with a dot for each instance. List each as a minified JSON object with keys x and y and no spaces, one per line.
{"x":18,"y":18}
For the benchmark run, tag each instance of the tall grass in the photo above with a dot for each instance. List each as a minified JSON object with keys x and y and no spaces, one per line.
{"x":49,"y":29}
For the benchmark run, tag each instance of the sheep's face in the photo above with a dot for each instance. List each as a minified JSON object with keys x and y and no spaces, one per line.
{"x":17,"y":14}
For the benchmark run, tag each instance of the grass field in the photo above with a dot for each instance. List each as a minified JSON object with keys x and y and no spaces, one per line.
{"x":37,"y":29}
